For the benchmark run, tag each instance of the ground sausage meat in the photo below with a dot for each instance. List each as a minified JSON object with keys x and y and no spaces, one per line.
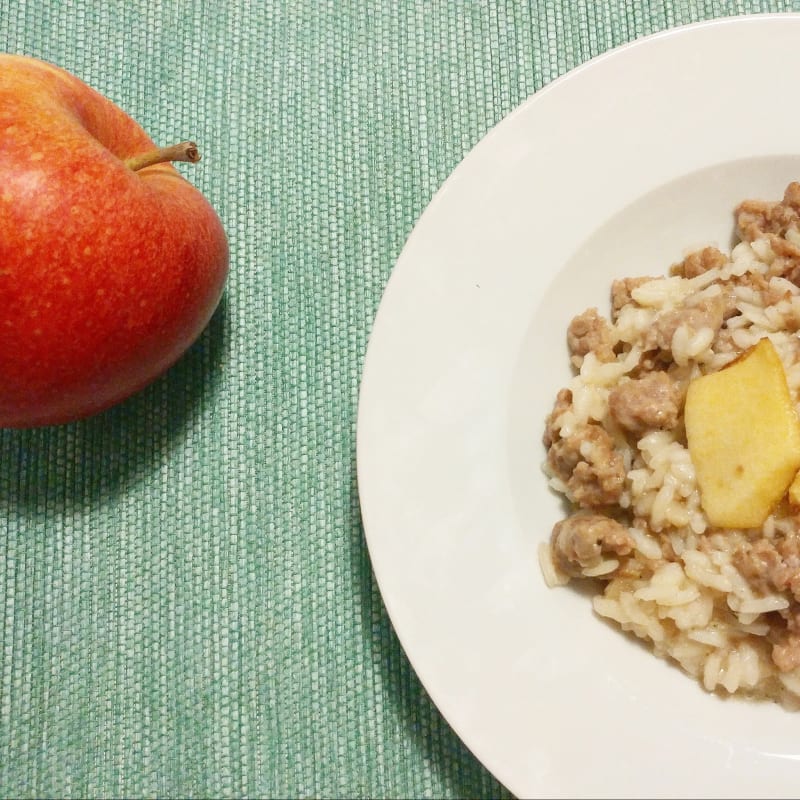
{"x":621,"y":293}
{"x":590,"y":333}
{"x":786,"y":653}
{"x":756,"y":218}
{"x":787,"y":261}
{"x":771,"y":565}
{"x":786,"y":647}
{"x":700,"y":261}
{"x":582,"y":540}
{"x":647,"y":403}
{"x":707,"y":314}
{"x":587,"y":462}
{"x":551,"y":428}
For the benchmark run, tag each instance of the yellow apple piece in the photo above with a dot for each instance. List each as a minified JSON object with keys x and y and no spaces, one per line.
{"x":794,"y":491}
{"x":744,"y":437}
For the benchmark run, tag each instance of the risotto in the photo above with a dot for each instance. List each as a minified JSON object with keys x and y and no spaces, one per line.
{"x":723,"y":603}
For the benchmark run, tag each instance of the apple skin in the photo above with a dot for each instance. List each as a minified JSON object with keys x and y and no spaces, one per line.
{"x":107,"y":274}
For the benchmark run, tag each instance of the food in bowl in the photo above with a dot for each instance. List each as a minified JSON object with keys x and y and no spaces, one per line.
{"x":676,"y":446}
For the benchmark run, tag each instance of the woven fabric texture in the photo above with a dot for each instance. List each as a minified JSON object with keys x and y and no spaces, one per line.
{"x":186,"y":602}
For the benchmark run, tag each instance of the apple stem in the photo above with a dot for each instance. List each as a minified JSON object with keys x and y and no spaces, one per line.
{"x":183,"y":151}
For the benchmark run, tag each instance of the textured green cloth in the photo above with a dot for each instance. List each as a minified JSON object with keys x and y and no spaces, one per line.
{"x":186,"y":601}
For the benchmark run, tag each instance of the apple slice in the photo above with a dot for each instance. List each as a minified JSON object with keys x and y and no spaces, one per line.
{"x":744,"y":437}
{"x":794,"y":491}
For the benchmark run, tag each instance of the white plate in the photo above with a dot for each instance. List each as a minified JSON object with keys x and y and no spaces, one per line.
{"x":613,"y":170}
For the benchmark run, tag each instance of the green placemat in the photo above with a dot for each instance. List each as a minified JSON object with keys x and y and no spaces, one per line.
{"x":186,"y":601}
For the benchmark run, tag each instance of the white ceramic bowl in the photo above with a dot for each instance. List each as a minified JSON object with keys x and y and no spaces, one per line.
{"x":615,"y":169}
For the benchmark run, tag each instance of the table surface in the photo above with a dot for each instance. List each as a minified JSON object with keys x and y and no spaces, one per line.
{"x":186,"y":601}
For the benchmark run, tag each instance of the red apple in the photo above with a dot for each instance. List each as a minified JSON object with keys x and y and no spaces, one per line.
{"x":111,"y":263}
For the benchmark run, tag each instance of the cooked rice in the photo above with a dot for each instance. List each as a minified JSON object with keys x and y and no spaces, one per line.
{"x":679,"y":586}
